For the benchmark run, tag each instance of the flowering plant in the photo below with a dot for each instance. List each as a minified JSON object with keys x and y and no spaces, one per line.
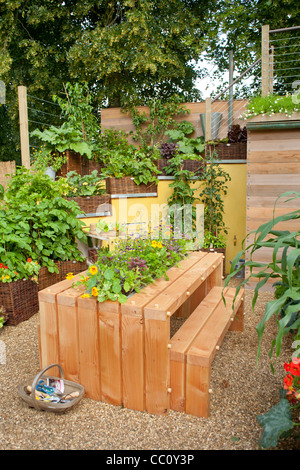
{"x":133,"y":264}
{"x":292,"y":380}
{"x":24,"y":269}
{"x":83,"y":185}
{"x":270,"y":105}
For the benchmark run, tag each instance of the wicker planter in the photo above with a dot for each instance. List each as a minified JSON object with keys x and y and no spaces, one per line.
{"x":191,"y":165}
{"x":93,"y":204}
{"x":74,"y":267}
{"x":126,"y":185}
{"x":232,"y":151}
{"x":46,"y":279}
{"x":19,"y":299}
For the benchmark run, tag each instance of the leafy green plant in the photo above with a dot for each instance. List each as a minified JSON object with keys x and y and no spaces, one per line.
{"x":133,"y":264}
{"x":37,"y":222}
{"x":282,"y":268}
{"x":269,"y":105}
{"x":190,"y":148}
{"x":150,"y":127}
{"x":215,"y":180}
{"x":42,"y":158}
{"x":82,"y":185}
{"x":135,"y":163}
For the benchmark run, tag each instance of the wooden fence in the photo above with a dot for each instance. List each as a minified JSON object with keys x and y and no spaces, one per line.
{"x":6,"y":169}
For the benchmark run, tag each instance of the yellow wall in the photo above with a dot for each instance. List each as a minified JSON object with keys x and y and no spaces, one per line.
{"x":234,"y":205}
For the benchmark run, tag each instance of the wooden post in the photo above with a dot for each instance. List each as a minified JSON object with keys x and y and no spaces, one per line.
{"x":265,"y":72}
{"x":208,"y":119}
{"x":24,"y":135}
{"x":230,"y":101}
{"x":271,"y":69}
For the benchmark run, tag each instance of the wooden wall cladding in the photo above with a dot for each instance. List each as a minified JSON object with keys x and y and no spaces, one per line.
{"x":273,"y":167}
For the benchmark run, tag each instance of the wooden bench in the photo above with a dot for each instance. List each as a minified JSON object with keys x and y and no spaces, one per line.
{"x":194,"y":345}
{"x":121,"y":353}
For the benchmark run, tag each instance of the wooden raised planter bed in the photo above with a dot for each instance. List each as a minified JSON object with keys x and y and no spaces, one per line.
{"x":126,"y":185}
{"x":123,"y":353}
{"x":47,"y":279}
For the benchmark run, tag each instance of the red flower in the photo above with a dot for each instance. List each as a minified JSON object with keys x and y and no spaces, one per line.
{"x":5,"y":267}
{"x":1,"y":265}
{"x":288,"y":380}
{"x":29,"y":260}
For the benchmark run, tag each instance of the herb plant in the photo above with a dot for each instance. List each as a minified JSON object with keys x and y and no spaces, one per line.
{"x":270,"y":105}
{"x":83,"y":185}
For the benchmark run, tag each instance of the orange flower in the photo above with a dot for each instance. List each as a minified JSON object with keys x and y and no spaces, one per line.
{"x":95,"y":291}
{"x":29,"y":260}
{"x":69,"y":276}
{"x":85,"y":296}
{"x":93,"y":270}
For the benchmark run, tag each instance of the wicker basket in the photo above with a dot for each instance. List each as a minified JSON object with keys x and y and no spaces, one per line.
{"x":230,"y":151}
{"x":19,"y":299}
{"x":74,"y":267}
{"x":46,"y":278}
{"x":74,"y":163}
{"x":126,"y":185}
{"x":93,"y":204}
{"x":32,"y":399}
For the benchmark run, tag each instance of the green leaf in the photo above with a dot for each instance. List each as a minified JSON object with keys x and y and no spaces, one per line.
{"x":276,"y":421}
{"x":108,"y":274}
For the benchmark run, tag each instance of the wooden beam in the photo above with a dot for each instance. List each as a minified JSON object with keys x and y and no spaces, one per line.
{"x":24,"y":135}
{"x":265,"y":73}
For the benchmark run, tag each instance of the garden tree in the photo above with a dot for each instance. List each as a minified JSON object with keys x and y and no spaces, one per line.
{"x":125,"y":50}
{"x":239,"y":24}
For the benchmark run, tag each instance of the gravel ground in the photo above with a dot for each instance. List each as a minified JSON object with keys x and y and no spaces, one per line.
{"x":241,"y":391}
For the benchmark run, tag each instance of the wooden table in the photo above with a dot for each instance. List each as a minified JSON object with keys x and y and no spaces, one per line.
{"x":120,"y":353}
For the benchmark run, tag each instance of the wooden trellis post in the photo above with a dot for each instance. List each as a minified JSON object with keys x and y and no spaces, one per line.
{"x":24,"y":135}
{"x":265,"y":61}
{"x":208,"y":119}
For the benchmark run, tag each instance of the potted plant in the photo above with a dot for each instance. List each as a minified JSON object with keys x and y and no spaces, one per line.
{"x":233,"y":146}
{"x":88,"y":191}
{"x":37,"y":221}
{"x":271,"y":107}
{"x":191,"y":149}
{"x":283,"y":270}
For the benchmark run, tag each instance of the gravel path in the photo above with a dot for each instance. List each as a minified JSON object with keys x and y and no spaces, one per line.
{"x":241,"y":391}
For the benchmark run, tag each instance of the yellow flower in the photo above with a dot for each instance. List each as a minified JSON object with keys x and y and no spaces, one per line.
{"x":2,"y":277}
{"x":93,"y":270}
{"x":95,"y":291}
{"x":154,"y":244}
{"x":159,"y":245}
{"x":85,"y":296}
{"x":7,"y":277}
{"x":69,"y":276}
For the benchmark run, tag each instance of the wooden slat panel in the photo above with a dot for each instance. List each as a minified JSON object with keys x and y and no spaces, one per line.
{"x":110,"y":352}
{"x":268,"y":202}
{"x":48,"y":337}
{"x":270,"y":156}
{"x":274,"y":191}
{"x":89,"y":348}
{"x":274,"y":135}
{"x":174,"y":296}
{"x":68,"y":332}
{"x":283,"y":145}
{"x":157,"y":365}
{"x":181,"y":342}
{"x":274,"y":168}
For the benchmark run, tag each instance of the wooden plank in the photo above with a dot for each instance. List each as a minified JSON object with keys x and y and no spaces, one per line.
{"x":68,"y":332}
{"x":137,"y":303}
{"x":48,"y":337}
{"x":24,"y":134}
{"x":202,"y":351}
{"x":275,"y":190}
{"x":176,"y":294}
{"x":132,"y":324}
{"x":274,"y":168}
{"x":157,"y":365}
{"x":270,"y":156}
{"x":181,"y":342}
{"x":133,"y":362}
{"x":275,"y":179}
{"x":89,"y":348}
{"x":268,"y":202}
{"x":110,"y":352}
{"x":274,"y":135}
{"x":284,"y":145}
